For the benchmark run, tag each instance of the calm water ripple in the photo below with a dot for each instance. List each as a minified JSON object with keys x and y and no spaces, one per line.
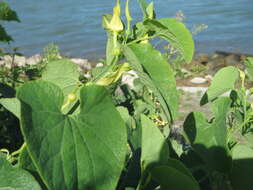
{"x":76,"y":25}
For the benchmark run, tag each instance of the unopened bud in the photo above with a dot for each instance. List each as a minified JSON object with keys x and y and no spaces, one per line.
{"x":71,"y":97}
{"x":242,"y":75}
{"x":116,"y":51}
{"x":116,"y":24}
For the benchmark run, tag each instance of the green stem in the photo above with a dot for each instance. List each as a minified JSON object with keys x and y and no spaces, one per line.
{"x":142,"y":39}
{"x":115,"y":36}
{"x":128,"y":32}
{"x":19,"y":150}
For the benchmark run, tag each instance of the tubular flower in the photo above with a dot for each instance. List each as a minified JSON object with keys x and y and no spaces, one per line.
{"x":116,"y":24}
{"x":150,"y":10}
{"x":114,"y":76}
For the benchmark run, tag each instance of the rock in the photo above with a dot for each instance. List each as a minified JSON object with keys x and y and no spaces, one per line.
{"x":99,"y":65}
{"x":7,"y":61}
{"x":209,"y":78}
{"x":33,"y":60}
{"x":202,"y":59}
{"x":83,"y":64}
{"x":128,"y":78}
{"x":198,"y":80}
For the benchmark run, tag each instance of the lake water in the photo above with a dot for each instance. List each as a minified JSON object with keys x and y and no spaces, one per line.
{"x":75,"y":25}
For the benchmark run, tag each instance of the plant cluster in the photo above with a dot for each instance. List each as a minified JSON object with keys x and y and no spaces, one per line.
{"x":102,"y":134}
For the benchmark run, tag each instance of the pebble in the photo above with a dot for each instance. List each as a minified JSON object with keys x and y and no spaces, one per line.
{"x":128,"y":78}
{"x":83,"y":63}
{"x":198,"y":80}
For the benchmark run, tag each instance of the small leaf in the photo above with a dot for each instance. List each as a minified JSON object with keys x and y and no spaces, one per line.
{"x":223,"y":81}
{"x":12,"y":105}
{"x":7,"y":14}
{"x":4,"y":37}
{"x":143,"y":5}
{"x":175,"y":33}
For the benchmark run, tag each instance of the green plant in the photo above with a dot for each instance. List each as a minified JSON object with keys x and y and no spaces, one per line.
{"x":51,"y":53}
{"x":106,"y":135}
{"x":6,"y":14}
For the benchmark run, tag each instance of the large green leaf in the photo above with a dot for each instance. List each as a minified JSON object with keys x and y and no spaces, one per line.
{"x":209,"y":141}
{"x":242,"y":170}
{"x":14,"y":178}
{"x":223,"y":81}
{"x":154,"y":147}
{"x":12,"y":105}
{"x":175,"y":33}
{"x":64,"y":73}
{"x":172,"y":178}
{"x":83,"y":151}
{"x":25,"y":162}
{"x":7,"y":14}
{"x":159,"y":76}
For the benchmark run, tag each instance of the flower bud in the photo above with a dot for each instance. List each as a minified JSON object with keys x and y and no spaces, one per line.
{"x":150,"y":10}
{"x":116,"y":24}
{"x":128,"y":16}
{"x":71,"y":97}
{"x":116,"y":51}
{"x":242,"y":75}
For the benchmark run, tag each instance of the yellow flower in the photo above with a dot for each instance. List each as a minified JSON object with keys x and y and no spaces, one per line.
{"x":116,"y":24}
{"x":114,"y":76}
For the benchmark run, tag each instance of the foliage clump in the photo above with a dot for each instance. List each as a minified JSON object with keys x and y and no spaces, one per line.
{"x":99,"y":133}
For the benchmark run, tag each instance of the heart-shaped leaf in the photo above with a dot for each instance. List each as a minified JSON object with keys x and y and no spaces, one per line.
{"x":223,"y":81}
{"x":73,"y":152}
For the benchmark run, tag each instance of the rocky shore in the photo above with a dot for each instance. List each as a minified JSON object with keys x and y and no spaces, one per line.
{"x":198,"y":73}
{"x":192,"y":81}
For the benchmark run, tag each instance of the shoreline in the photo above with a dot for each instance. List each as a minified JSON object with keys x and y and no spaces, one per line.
{"x":197,"y":73}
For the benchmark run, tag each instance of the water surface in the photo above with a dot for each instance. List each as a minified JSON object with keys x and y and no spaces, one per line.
{"x":75,"y":25}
